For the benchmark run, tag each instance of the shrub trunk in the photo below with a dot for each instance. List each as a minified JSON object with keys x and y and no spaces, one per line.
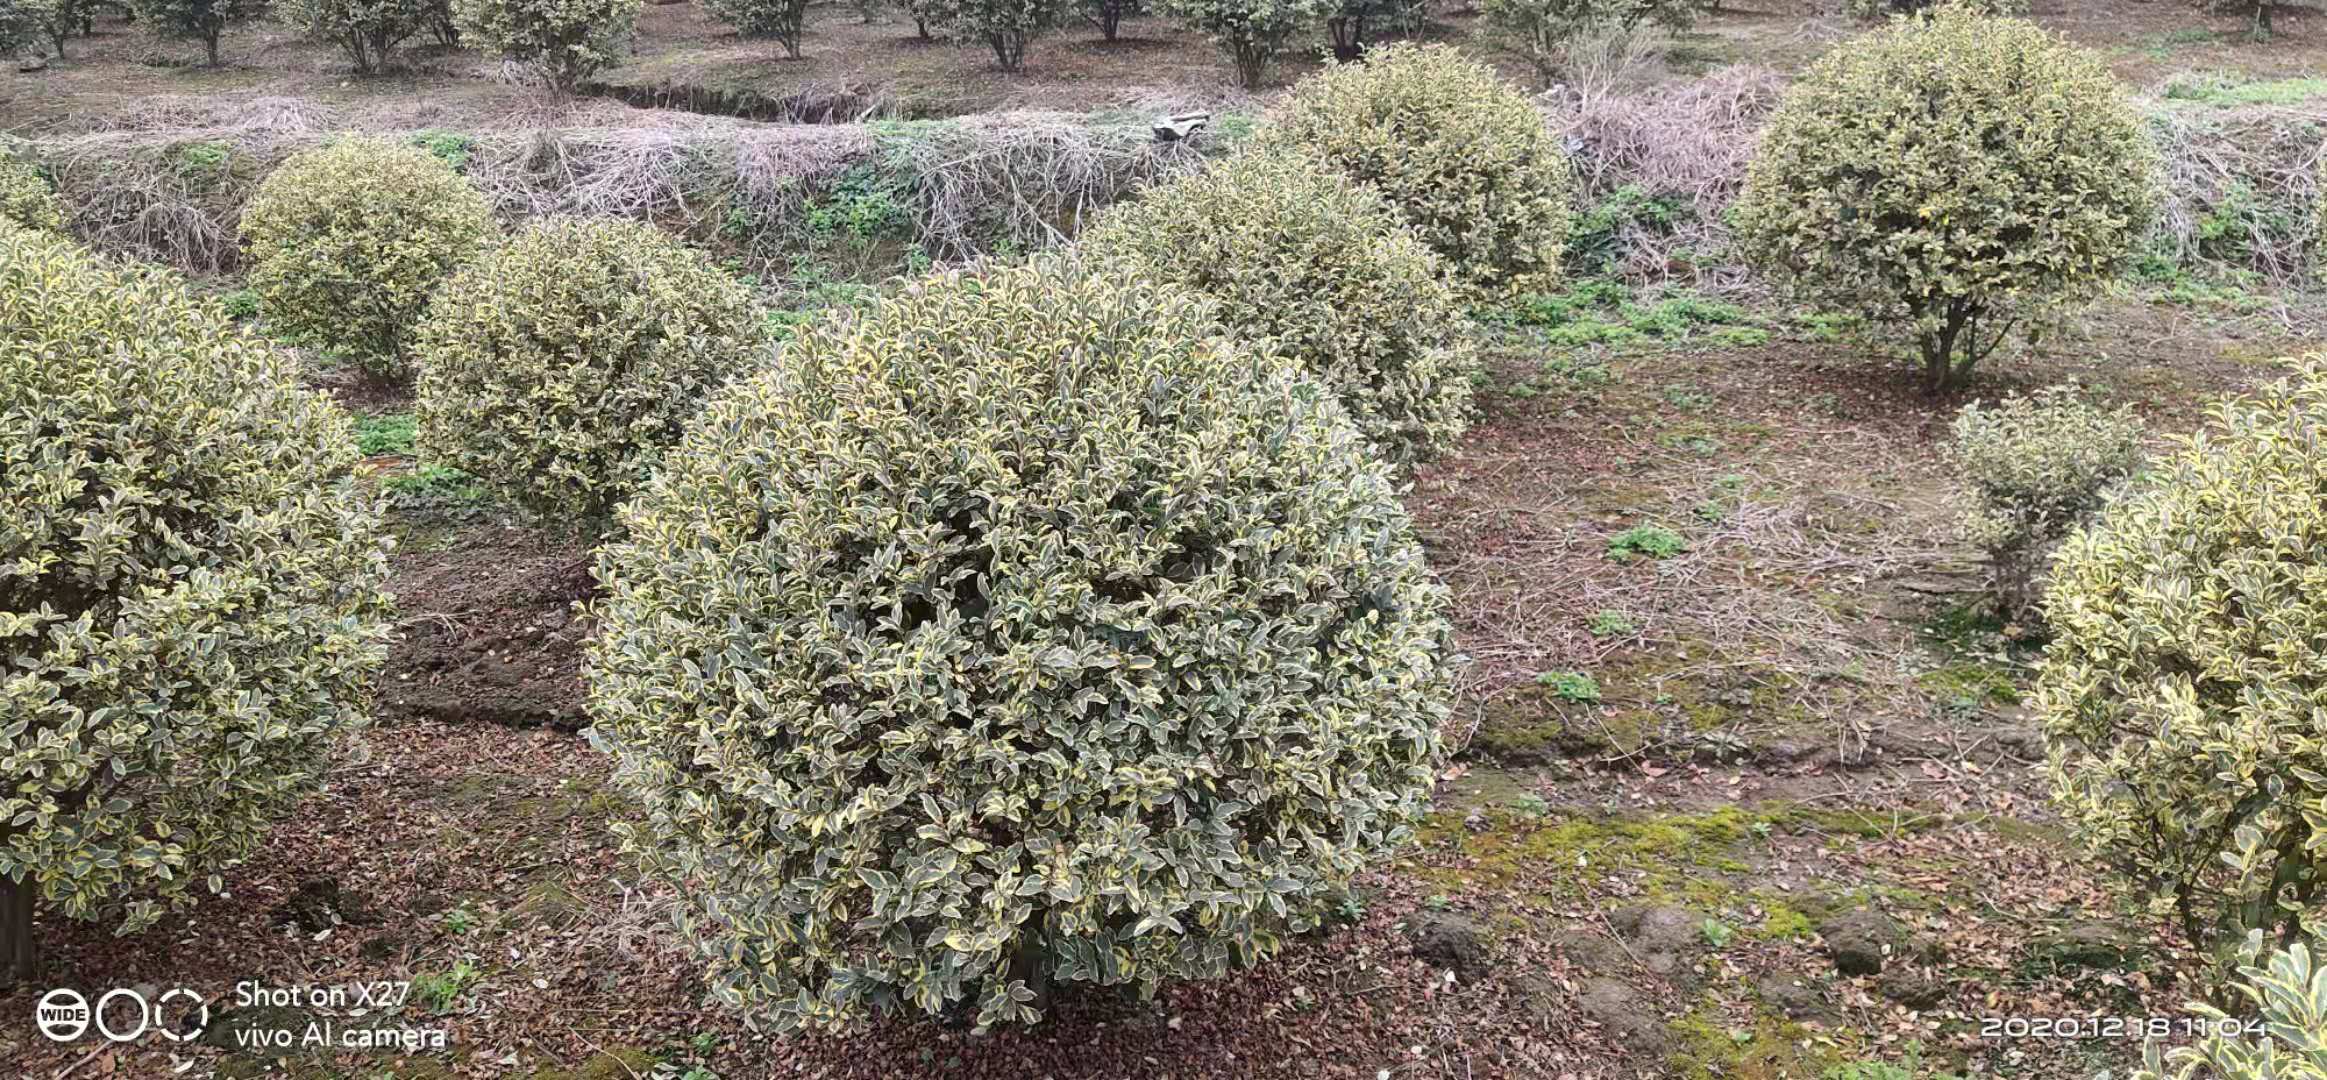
{"x":19,"y":952}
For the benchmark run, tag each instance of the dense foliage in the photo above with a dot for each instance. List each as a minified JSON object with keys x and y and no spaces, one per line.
{"x":1253,"y":32}
{"x":2037,"y":468}
{"x":2188,"y":670}
{"x":1304,"y":258}
{"x":190,"y":585}
{"x":2283,"y":1037}
{"x":347,"y":240}
{"x":783,"y":20}
{"x":1463,"y":156}
{"x":1024,"y":630}
{"x":560,"y":365}
{"x":1961,"y":175}
{"x":563,"y":41}
{"x":27,"y":26}
{"x":1006,"y":26}
{"x":368,"y":31}
{"x":202,"y":20}
{"x":25,"y":196}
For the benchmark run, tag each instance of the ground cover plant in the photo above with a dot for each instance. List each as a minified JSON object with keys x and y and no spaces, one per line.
{"x":1763,"y":732}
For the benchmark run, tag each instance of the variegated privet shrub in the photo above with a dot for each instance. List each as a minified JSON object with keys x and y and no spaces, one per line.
{"x":1962,"y":176}
{"x":190,"y":587}
{"x":1319,"y":266}
{"x":1253,"y":32}
{"x":346,"y":242}
{"x":1460,"y":153}
{"x":561,"y":41}
{"x":25,"y":196}
{"x":1022,"y":631}
{"x":560,"y":365}
{"x":2285,"y":1037}
{"x":2037,"y":467}
{"x":2187,"y":675}
{"x":27,"y":27}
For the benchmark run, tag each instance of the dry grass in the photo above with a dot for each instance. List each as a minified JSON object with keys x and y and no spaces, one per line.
{"x":1686,"y":141}
{"x":166,"y":181}
{"x":2241,"y":187}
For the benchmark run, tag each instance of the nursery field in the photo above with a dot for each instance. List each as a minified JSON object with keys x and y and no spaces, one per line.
{"x":1740,"y":777}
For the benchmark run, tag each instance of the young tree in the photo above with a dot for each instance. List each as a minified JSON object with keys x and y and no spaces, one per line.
{"x":1106,"y":16}
{"x":1253,"y":32}
{"x":1962,"y":175}
{"x":929,"y":16}
{"x":783,"y":20}
{"x":563,"y":41}
{"x":1007,"y":26}
{"x":192,"y":605}
{"x":202,"y":20}
{"x":368,"y":31}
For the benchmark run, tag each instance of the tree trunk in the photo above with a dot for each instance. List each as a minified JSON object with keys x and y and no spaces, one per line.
{"x":1031,"y":965}
{"x":19,"y":951}
{"x":210,"y":44}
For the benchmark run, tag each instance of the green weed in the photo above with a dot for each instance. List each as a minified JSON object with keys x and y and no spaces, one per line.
{"x":1646,"y":541}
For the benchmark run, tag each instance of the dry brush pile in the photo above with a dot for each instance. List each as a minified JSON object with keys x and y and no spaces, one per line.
{"x":166,"y":181}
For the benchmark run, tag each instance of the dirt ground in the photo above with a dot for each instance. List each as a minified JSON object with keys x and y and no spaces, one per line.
{"x":1760,"y":805}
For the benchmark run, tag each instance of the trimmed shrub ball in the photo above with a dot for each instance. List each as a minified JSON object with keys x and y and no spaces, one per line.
{"x":1023,"y":631}
{"x":190,"y":586}
{"x":1958,"y":177}
{"x":347,"y":241}
{"x":560,"y":365}
{"x":1462,"y":154}
{"x":1318,"y":265}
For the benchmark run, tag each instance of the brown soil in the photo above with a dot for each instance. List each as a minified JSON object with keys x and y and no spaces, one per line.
{"x":491,"y":630}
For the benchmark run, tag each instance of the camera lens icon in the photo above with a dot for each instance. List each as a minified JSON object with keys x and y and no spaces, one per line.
{"x":62,"y":1014}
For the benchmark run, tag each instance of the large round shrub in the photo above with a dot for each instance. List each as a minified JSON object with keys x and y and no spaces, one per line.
{"x":190,"y":586}
{"x":1022,"y":630}
{"x":25,"y":197}
{"x":346,"y":242}
{"x":1302,"y":256}
{"x":2186,"y":682}
{"x":562,"y":41}
{"x":1458,"y":151}
{"x":1962,"y":175}
{"x":560,"y":365}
